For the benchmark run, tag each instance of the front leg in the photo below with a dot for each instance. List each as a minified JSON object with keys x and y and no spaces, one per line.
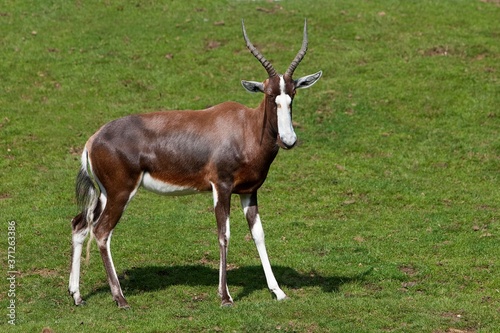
{"x":222,"y":206}
{"x":250,"y":208}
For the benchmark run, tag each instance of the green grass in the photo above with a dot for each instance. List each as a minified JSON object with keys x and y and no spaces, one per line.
{"x":383,"y":219}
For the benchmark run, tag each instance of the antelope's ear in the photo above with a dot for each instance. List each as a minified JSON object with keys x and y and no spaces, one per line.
{"x":307,"y":81}
{"x":253,"y":86}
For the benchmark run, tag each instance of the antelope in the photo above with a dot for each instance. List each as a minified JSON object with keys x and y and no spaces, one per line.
{"x":225,"y":149}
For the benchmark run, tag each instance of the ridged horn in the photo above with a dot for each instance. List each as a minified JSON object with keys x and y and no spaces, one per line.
{"x":300,"y":55}
{"x":267,"y":65}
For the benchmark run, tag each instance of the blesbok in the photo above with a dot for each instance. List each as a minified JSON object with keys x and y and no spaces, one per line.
{"x":227,"y":148}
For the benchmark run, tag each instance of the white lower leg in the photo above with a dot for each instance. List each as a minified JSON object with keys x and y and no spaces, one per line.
{"x":74,"y":277}
{"x":258,"y":237}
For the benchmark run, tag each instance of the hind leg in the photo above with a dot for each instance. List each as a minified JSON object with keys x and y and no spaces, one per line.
{"x":80,"y":232}
{"x":103,"y":231}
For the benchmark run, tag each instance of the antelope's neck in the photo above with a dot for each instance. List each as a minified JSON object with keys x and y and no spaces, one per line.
{"x":269,"y":121}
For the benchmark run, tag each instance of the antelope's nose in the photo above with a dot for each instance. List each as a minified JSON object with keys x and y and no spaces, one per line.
{"x":287,"y":141}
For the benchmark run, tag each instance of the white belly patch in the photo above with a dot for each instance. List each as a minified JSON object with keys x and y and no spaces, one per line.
{"x":161,"y":187}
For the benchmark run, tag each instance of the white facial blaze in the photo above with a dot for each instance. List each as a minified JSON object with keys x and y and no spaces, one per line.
{"x":285,"y":127}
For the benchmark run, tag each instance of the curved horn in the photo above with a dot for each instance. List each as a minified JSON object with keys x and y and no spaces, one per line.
{"x":267,"y":65}
{"x":300,"y":55}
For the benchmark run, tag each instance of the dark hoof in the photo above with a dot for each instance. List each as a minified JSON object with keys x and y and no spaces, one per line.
{"x":226,"y":304}
{"x":122,"y":303}
{"x":81,"y":303}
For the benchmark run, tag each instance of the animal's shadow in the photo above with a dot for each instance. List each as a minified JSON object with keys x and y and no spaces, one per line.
{"x":150,"y":278}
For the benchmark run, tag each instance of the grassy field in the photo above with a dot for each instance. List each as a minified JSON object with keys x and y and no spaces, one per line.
{"x":385,"y":218}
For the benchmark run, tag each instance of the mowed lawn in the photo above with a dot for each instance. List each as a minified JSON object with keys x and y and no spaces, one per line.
{"x":384,"y":218}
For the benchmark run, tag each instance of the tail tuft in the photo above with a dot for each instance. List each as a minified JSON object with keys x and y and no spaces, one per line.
{"x":87,"y":197}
